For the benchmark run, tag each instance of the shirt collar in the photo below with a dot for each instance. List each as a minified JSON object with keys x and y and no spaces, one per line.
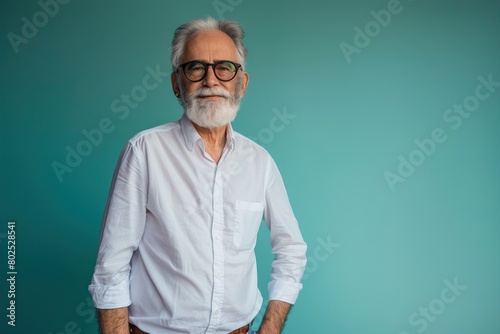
{"x":191,"y":136}
{"x":230,"y":137}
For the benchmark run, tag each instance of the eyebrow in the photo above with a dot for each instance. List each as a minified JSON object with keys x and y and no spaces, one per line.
{"x":215,"y":60}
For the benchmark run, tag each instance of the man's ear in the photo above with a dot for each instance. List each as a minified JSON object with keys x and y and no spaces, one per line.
{"x":246,"y":78}
{"x":175,"y":86}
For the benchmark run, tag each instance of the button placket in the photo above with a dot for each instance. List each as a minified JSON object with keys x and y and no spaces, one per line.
{"x":218,"y":251}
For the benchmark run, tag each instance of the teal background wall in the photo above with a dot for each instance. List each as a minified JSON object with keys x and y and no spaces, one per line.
{"x":397,"y":191}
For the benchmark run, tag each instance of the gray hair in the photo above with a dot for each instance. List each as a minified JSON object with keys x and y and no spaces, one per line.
{"x":187,"y":30}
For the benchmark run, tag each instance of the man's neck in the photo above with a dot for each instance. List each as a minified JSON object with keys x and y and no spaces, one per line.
{"x":213,"y":139}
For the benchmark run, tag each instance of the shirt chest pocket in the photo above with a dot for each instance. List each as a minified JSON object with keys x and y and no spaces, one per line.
{"x":248,"y":216}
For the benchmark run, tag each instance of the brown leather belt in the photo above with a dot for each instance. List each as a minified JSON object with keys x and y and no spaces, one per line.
{"x":243,"y":330}
{"x":135,"y":330}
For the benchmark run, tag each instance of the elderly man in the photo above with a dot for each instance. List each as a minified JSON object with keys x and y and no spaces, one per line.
{"x":177,"y":244}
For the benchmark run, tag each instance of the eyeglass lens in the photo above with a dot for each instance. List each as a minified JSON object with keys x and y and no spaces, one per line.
{"x":196,"y":71}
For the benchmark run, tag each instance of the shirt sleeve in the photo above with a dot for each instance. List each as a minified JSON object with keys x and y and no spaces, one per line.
{"x":122,"y":229}
{"x":288,"y":246}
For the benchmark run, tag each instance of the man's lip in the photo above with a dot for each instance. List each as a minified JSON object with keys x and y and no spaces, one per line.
{"x":210,"y":96}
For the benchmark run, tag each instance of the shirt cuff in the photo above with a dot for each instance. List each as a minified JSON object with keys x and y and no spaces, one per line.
{"x":111,"y":297}
{"x":284,"y":291}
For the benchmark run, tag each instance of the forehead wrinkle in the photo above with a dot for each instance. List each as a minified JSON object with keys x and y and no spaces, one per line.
{"x":210,"y":46}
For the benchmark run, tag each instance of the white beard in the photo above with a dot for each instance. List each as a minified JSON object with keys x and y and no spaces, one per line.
{"x":211,"y":114}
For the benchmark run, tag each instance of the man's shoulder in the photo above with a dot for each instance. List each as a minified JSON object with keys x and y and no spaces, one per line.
{"x":247,"y":143}
{"x":154,"y":132}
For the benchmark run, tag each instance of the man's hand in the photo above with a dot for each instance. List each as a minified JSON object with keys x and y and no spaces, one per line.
{"x":274,"y":318}
{"x":113,"y":321}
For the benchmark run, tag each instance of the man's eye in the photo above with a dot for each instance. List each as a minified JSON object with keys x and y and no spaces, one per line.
{"x":226,"y":67}
{"x":196,"y":67}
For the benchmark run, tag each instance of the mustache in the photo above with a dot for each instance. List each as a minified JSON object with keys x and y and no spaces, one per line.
{"x":206,"y":91}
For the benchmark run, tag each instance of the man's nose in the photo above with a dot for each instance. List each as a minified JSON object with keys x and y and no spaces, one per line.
{"x":210,"y":79}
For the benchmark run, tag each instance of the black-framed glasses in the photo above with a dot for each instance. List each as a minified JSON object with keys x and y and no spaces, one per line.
{"x":196,"y":70}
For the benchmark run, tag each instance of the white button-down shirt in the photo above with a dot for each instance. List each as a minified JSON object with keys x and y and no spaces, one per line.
{"x":179,"y":231}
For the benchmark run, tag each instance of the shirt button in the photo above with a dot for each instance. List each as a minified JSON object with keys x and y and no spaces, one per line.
{"x":217,"y":312}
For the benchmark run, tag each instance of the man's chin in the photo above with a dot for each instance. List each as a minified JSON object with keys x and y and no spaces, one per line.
{"x":209,"y":119}
{"x":207,"y":123}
